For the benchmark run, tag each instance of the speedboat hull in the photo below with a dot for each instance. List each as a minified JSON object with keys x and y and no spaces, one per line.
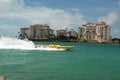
{"x":57,"y":47}
{"x":62,"y":47}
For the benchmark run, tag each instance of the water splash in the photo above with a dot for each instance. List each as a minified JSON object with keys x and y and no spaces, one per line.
{"x":14,"y":43}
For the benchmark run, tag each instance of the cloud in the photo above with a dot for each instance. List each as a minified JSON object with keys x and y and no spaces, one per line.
{"x":16,"y":10}
{"x":119,"y":2}
{"x":110,"y":19}
{"x":116,"y":33}
{"x":7,"y":29}
{"x":75,"y":9}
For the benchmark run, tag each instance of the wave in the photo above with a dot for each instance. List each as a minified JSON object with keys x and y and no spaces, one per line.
{"x":14,"y":43}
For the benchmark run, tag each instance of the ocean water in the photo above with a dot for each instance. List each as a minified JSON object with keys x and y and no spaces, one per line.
{"x":85,"y":62}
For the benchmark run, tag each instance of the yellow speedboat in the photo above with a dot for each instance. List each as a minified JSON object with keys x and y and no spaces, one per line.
{"x":54,"y":47}
{"x":62,"y":47}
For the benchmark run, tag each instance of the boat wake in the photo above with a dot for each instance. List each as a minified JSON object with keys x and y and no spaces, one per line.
{"x":14,"y":43}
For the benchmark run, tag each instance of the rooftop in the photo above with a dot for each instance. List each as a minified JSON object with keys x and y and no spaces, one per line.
{"x":41,"y":25}
{"x":95,"y":24}
{"x":24,"y":28}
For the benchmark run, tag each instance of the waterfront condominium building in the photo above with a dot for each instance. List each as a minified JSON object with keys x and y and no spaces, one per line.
{"x":62,"y":32}
{"x":66,"y":33}
{"x":73,"y":33}
{"x":99,"y":32}
{"x":24,"y":33}
{"x":37,"y":31}
{"x":41,"y":31}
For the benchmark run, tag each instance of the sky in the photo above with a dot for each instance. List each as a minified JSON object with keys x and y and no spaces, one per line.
{"x":58,"y":14}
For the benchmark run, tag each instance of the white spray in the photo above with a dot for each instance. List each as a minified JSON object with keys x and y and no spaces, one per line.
{"x":14,"y":43}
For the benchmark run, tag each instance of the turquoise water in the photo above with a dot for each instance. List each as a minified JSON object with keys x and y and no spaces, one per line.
{"x":85,"y":62}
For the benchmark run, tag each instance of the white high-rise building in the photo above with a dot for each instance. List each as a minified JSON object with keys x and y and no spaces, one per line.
{"x":99,"y":32}
{"x":66,"y":33}
{"x":37,"y":31}
{"x":24,"y":33}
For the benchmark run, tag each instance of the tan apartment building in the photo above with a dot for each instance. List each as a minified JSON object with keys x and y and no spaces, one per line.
{"x":62,"y":32}
{"x":66,"y":33}
{"x":24,"y":33}
{"x":37,"y":31}
{"x":99,"y":32}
